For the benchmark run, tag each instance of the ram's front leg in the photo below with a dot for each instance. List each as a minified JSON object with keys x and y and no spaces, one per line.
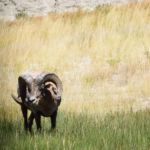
{"x":37,"y":117}
{"x":24,"y":112}
{"x":30,"y":121}
{"x":53,"y":120}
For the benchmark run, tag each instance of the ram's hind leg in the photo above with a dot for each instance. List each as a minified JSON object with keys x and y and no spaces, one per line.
{"x":24,"y":112}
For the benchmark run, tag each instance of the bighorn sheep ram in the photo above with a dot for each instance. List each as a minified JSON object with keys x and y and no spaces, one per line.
{"x":41,"y":93}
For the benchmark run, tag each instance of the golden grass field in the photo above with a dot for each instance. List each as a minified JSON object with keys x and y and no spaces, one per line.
{"x":102,"y":57}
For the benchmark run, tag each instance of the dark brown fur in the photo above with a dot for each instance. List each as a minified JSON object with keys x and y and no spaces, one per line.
{"x":40,"y":96}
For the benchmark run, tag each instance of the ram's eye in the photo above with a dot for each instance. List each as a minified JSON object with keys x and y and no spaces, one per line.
{"x":29,"y":90}
{"x":41,"y":87}
{"x":38,"y":96}
{"x":55,"y":90}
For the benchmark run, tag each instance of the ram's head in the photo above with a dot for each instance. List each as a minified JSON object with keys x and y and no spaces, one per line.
{"x":42,"y":88}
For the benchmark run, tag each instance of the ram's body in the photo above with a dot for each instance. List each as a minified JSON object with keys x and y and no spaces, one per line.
{"x":40,"y":93}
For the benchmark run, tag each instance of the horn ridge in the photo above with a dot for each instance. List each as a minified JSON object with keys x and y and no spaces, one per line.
{"x":52,"y":77}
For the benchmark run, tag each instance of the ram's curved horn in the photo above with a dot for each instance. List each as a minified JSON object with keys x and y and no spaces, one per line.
{"x":51,"y":77}
{"x":53,"y":89}
{"x":23,"y":81}
{"x":17,"y":99}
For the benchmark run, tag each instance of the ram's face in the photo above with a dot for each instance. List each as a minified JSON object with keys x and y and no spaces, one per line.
{"x":33,"y":94}
{"x":42,"y":90}
{"x":42,"y":94}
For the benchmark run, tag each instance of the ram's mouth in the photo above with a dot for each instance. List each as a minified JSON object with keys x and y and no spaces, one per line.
{"x":36,"y":102}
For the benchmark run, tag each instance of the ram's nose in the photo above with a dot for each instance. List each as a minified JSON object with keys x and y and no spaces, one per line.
{"x":31,"y":99}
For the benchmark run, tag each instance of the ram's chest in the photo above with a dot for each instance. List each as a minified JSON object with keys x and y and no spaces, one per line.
{"x":46,"y":107}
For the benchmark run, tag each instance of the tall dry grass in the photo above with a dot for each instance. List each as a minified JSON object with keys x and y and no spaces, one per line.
{"x":102,"y":57}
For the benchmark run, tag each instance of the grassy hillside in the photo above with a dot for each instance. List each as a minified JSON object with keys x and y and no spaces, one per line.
{"x":103,"y":59}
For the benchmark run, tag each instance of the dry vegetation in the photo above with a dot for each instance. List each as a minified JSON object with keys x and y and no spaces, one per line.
{"x":102,"y":57}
